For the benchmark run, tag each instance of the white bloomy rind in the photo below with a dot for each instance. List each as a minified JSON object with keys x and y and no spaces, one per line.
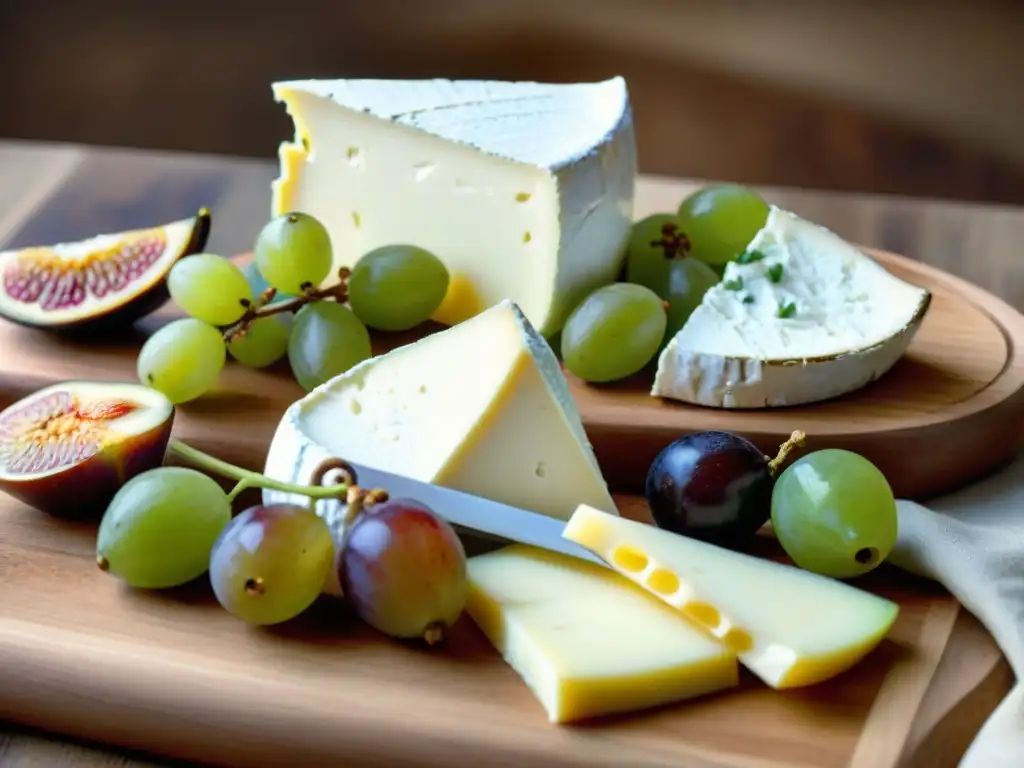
{"x":524,"y":190}
{"x":851,"y":321}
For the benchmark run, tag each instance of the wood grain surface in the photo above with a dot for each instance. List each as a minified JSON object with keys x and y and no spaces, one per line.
{"x":50,"y":193}
{"x":174,"y":673}
{"x":947,"y":413}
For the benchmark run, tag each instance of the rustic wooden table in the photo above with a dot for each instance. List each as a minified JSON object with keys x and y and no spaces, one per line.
{"x":58,"y":192}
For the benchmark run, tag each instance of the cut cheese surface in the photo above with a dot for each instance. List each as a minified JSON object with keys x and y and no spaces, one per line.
{"x":586,"y":641}
{"x":812,"y":317}
{"x":788,"y":626}
{"x":481,"y":407}
{"x":524,"y":190}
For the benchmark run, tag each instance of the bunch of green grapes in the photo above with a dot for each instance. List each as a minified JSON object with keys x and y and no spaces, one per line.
{"x":392,"y":288}
{"x":672,"y":260}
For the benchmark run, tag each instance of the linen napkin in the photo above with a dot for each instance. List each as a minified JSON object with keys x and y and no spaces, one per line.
{"x":972,"y":542}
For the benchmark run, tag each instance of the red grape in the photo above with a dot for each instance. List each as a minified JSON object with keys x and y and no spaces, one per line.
{"x":404,"y":570}
{"x":714,"y":486}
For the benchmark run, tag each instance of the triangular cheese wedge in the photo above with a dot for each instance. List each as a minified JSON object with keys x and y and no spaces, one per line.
{"x":788,"y":626}
{"x":524,"y":190}
{"x":806,"y":317}
{"x":586,"y":641}
{"x":481,"y":407}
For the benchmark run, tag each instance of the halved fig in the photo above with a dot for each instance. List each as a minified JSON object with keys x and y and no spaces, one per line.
{"x":69,"y":447}
{"x":105,"y":281}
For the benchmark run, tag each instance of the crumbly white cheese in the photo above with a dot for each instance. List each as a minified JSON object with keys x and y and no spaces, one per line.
{"x":808,"y":317}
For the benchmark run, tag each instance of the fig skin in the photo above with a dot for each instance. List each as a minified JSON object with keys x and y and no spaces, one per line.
{"x":82,"y":492}
{"x":118,"y":318}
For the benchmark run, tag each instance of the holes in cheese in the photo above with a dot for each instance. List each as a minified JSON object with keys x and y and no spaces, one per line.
{"x":790,"y":627}
{"x":586,"y":641}
{"x":483,"y":174}
{"x":663,"y":582}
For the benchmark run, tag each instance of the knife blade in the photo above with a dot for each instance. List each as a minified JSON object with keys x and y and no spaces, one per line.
{"x":475,"y":514}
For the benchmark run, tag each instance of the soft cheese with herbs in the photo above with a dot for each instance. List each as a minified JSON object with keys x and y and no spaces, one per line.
{"x":801,"y":316}
{"x":788,"y":626}
{"x":481,"y":407}
{"x":523,"y":190}
{"x":586,"y":641}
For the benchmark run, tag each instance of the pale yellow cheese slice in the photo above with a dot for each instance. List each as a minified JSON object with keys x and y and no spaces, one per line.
{"x":586,"y":641}
{"x":788,"y":626}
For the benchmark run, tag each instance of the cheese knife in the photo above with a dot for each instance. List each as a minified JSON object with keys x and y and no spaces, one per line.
{"x":475,"y":516}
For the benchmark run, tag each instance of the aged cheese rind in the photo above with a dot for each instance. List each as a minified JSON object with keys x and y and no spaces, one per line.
{"x":524,"y":190}
{"x":852,"y":322}
{"x":790,"y":627}
{"x":586,"y":641}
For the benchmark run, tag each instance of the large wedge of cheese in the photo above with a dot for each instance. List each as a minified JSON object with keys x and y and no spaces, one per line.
{"x":810,"y":318}
{"x":586,"y":641}
{"x":524,"y":190}
{"x":482,"y":407}
{"x":790,"y":627}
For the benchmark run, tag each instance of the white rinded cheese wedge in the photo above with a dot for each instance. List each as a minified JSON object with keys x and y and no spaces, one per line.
{"x":790,"y":627}
{"x":814,"y":319}
{"x":524,"y":190}
{"x":586,"y":641}
{"x":481,"y":407}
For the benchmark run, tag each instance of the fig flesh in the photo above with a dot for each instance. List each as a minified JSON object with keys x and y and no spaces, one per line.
{"x":104,"y":282}
{"x":67,"y":449}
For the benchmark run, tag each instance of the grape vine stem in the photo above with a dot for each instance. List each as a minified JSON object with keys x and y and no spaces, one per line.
{"x":245,"y":478}
{"x":262,"y":307}
{"x":795,"y":441}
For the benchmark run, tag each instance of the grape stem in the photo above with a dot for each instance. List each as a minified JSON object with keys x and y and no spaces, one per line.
{"x":796,"y":440}
{"x":262,"y":307}
{"x":674,"y":242}
{"x":246,"y":479}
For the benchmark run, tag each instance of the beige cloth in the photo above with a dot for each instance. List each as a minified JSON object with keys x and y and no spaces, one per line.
{"x":972,"y":542}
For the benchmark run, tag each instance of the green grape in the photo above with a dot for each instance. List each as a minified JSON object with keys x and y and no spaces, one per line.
{"x":258,"y":284}
{"x":720,"y":220}
{"x":614,"y":332}
{"x":834,"y":513}
{"x":159,"y":529}
{"x":397,"y":287}
{"x":209,"y":288}
{"x":667,"y":269}
{"x":652,"y":240}
{"x":326,"y":340}
{"x":182,"y":360}
{"x":264,"y":343}
{"x":292,"y":251}
{"x":271,"y":563}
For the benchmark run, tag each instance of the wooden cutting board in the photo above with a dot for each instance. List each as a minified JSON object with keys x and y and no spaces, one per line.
{"x":949,"y":412}
{"x":172,"y":673}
